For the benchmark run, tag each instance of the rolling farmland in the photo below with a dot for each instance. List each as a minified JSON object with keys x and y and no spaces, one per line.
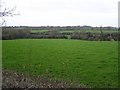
{"x":92,"y":31}
{"x":91,"y":63}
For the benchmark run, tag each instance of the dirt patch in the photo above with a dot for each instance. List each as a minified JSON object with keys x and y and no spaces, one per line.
{"x":12,"y":79}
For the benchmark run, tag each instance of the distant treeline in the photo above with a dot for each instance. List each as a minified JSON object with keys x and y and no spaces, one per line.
{"x":85,"y":27}
{"x":15,"y":33}
{"x":25,"y":32}
{"x":77,"y":35}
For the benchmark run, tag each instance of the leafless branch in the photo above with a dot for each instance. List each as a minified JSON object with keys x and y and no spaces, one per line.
{"x":6,"y":12}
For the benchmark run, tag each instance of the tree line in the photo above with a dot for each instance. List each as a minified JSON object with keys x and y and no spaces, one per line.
{"x":21,"y":33}
{"x":13,"y":33}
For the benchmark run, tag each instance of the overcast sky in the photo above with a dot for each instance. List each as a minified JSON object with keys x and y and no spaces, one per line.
{"x":63,"y":12}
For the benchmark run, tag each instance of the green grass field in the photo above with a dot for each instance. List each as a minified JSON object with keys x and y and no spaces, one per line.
{"x":37,"y":31}
{"x":92,"y":31}
{"x":92,"y":63}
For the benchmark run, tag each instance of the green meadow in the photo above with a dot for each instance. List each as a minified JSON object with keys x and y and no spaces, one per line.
{"x":38,"y":31}
{"x":71,"y":31}
{"x":91,"y":63}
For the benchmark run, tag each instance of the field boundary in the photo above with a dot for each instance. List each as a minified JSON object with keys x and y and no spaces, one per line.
{"x":0,"y":57}
{"x":13,"y":79}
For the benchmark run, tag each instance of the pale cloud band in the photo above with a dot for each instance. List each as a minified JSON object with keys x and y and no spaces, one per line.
{"x":64,"y":12}
{"x":119,"y":14}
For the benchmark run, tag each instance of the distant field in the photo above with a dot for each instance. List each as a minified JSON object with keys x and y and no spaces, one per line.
{"x":92,"y":63}
{"x":36,"y":31}
{"x":92,"y":31}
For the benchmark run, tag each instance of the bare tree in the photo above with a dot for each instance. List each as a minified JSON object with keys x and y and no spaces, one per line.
{"x":101,"y":33}
{"x":5,"y":12}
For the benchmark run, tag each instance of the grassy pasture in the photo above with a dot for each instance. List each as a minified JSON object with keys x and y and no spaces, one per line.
{"x":92,"y":31}
{"x":92,"y":63}
{"x":37,"y":31}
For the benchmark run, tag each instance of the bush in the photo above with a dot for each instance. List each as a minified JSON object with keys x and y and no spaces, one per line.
{"x":14,"y":33}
